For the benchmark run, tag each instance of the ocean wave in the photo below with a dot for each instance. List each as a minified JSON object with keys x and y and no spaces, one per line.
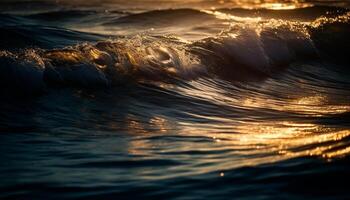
{"x":62,"y":15}
{"x":255,"y":104}
{"x":35,"y":36}
{"x":244,"y":52}
{"x":7,"y":20}
{"x":309,"y":13}
{"x":176,"y":17}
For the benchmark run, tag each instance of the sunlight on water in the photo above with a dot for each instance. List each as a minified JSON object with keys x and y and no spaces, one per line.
{"x":284,"y":6}
{"x":278,"y":138}
{"x":312,"y":105}
{"x":226,"y":16}
{"x":276,"y":141}
{"x":164,"y":99}
{"x":295,"y":140}
{"x":269,"y":4}
{"x":264,"y":4}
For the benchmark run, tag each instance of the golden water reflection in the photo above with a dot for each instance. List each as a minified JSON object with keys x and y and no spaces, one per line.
{"x":313,"y":105}
{"x":220,"y":143}
{"x":248,"y":143}
{"x":269,"y":140}
{"x":267,"y":4}
{"x":261,"y":143}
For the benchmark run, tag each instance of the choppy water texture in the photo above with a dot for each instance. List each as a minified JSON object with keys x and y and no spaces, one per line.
{"x":174,"y":100}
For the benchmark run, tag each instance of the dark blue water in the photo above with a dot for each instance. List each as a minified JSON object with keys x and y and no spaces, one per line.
{"x":174,"y":100}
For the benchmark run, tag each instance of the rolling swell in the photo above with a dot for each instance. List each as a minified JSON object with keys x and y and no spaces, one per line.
{"x":26,"y":36}
{"x":161,"y":17}
{"x":309,"y":13}
{"x":62,"y":15}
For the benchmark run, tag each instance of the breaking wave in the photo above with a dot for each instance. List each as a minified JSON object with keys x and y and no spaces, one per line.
{"x":246,"y":51}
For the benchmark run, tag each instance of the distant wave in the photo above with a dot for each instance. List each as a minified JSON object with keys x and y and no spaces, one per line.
{"x":308,"y":13}
{"x":62,"y":14}
{"x":163,"y":17}
{"x":27,"y":36}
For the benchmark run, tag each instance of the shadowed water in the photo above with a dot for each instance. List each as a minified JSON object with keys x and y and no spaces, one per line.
{"x":174,"y":100}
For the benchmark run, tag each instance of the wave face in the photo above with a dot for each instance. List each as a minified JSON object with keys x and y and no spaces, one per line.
{"x":116,"y":99}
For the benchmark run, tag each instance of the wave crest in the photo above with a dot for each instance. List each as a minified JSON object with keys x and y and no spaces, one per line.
{"x":245,"y":51}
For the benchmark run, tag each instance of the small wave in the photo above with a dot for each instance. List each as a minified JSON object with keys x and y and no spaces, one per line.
{"x":161,"y":17}
{"x":62,"y":15}
{"x":25,"y":36}
{"x":8,"y":20}
{"x":305,"y":14}
{"x":236,"y":54}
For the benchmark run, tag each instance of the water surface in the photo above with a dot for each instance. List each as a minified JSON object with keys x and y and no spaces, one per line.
{"x":174,"y":100}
